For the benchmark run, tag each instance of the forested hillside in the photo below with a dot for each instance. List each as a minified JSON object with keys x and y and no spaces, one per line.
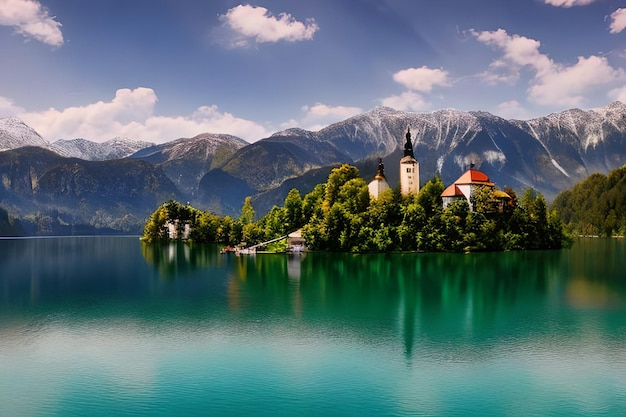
{"x":596,"y":205}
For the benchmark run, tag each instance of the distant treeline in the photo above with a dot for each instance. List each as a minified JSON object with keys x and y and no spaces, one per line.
{"x":340,"y":215}
{"x":596,"y":205}
{"x":8,"y":225}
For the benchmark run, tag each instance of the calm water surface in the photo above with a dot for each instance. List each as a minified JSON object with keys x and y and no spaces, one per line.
{"x":107,"y":326}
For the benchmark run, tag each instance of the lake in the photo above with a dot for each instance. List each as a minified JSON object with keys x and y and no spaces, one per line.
{"x":107,"y":326}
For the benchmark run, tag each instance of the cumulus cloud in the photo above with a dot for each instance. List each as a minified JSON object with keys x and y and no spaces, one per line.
{"x":421,"y":79}
{"x":512,"y":109}
{"x":407,"y":101}
{"x":569,"y":3}
{"x":418,"y":81}
{"x":8,"y":108}
{"x":131,"y":114}
{"x":258,"y":24}
{"x":568,"y":85}
{"x":319,"y":115}
{"x":553,"y":83}
{"x":618,"y":21}
{"x":618,"y":94}
{"x":31,"y":20}
{"x":519,"y":51}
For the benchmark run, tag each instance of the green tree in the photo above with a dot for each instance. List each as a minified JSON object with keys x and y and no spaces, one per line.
{"x":247,"y":212}
{"x":354,"y":196}
{"x":274,"y":223}
{"x":312,"y":203}
{"x":226,"y":231}
{"x":205,"y":228}
{"x":429,"y":196}
{"x":483,"y":199}
{"x":293,"y":210}
{"x":413,"y":221}
{"x":337,"y":178}
{"x":252,"y":234}
{"x":155,"y":228}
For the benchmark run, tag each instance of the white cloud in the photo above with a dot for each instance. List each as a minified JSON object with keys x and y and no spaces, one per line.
{"x":553,"y":83}
{"x":569,"y":3}
{"x":518,"y":51}
{"x":619,"y":94}
{"x":31,"y":20}
{"x":407,"y":101}
{"x":131,"y":114}
{"x":567,"y":86}
{"x":260,"y":25}
{"x":8,"y":108}
{"x":421,"y":79}
{"x":320,"y":115}
{"x":512,"y":110}
{"x":618,"y":21}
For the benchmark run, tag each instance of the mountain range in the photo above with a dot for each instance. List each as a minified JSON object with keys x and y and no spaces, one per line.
{"x":115,"y":185}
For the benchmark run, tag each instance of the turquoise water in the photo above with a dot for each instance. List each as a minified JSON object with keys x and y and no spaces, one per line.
{"x":107,"y":326}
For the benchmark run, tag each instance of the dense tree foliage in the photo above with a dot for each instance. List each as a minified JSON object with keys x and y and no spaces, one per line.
{"x":596,"y":205}
{"x":340,"y":215}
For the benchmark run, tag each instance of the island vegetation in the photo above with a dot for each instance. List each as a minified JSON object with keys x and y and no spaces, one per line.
{"x":340,"y":215}
{"x":595,"y":206}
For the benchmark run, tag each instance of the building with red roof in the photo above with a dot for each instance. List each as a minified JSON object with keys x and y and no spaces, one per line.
{"x":464,"y":187}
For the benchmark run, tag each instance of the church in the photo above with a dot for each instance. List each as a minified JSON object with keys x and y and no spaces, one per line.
{"x":462,"y":188}
{"x":409,"y":173}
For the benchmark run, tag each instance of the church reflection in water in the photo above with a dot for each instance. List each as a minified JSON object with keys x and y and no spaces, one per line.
{"x":423,"y":298}
{"x":427,"y":298}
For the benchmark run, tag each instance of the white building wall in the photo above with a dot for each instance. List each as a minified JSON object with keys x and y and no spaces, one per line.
{"x":466,"y":189}
{"x":377,"y":187}
{"x":409,"y":177}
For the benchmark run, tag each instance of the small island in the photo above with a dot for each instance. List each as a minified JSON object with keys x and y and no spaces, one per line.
{"x":343,"y":214}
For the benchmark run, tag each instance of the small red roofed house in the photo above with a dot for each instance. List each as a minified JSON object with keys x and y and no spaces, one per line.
{"x":464,"y":187}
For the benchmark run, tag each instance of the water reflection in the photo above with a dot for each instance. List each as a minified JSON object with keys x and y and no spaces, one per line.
{"x":434,"y":296}
{"x":110,"y":326}
{"x":176,"y":259}
{"x":422,"y":298}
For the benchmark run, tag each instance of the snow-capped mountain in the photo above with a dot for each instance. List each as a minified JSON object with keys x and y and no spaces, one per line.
{"x":92,"y":151}
{"x":549,"y":154}
{"x":203,"y":146}
{"x":14,"y":134}
{"x":580,"y":143}
{"x":185,"y":161}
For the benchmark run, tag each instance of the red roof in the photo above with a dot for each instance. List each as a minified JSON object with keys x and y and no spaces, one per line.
{"x":471,"y":176}
{"x":451,"y":191}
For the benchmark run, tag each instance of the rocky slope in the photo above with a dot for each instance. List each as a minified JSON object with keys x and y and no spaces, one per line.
{"x":185,"y":161}
{"x":49,"y":192}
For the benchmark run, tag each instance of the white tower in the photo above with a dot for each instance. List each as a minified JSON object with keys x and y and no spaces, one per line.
{"x":409,"y":169}
{"x":379,"y":184}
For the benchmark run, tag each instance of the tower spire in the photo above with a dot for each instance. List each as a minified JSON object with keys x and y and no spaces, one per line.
{"x":380,"y":174}
{"x":409,"y":169}
{"x":408,"y":146}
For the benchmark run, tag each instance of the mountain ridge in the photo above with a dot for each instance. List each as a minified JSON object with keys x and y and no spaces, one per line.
{"x":116,"y":148}
{"x":216,"y":171}
{"x":512,"y":152}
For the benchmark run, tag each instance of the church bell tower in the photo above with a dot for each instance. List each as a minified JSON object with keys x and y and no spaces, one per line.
{"x":409,"y":169}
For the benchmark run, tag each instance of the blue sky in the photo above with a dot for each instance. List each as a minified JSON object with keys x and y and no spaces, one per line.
{"x":158,"y":70}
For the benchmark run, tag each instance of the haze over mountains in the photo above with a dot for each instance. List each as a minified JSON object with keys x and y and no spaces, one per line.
{"x":115,"y":185}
